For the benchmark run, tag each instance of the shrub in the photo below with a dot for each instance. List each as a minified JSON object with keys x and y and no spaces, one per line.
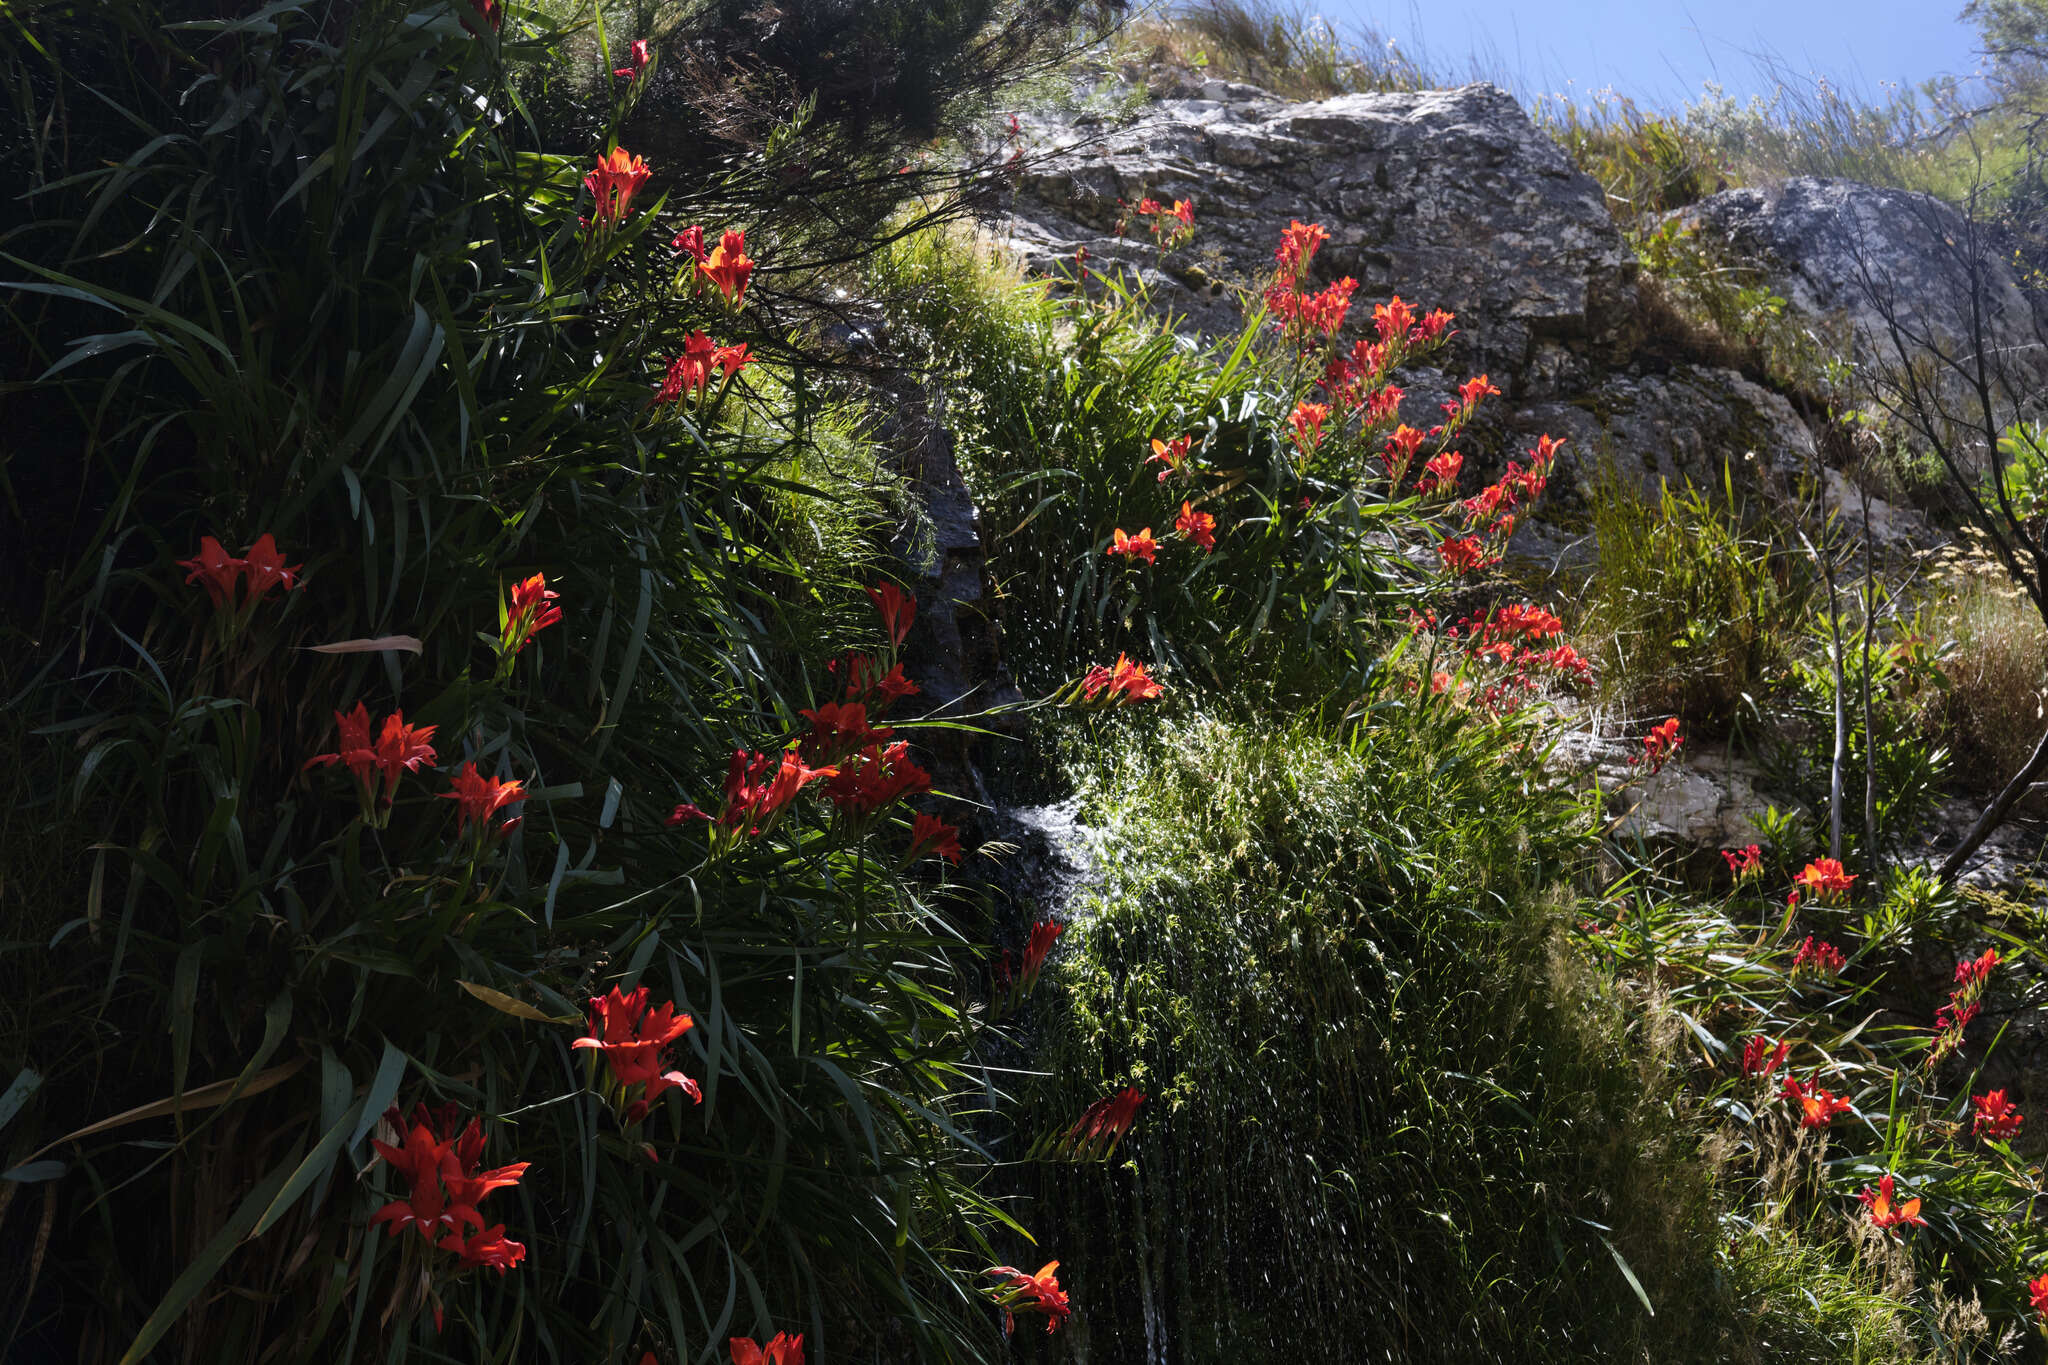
{"x":1990,"y":714}
{"x":1687,"y":611}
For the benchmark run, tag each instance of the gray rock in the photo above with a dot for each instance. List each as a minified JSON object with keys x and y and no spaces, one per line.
{"x":1826,"y":245}
{"x":1704,"y":799}
{"x":1452,"y":199}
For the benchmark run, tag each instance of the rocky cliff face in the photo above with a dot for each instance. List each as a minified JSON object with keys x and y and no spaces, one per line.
{"x":1845,"y":254}
{"x":1449,"y":198}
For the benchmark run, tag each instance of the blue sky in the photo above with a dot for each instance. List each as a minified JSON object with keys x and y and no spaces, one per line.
{"x":1659,"y":51}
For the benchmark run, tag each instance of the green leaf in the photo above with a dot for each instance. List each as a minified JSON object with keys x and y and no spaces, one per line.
{"x":196,"y":1276}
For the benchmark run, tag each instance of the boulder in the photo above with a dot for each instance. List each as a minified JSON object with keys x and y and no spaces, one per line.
{"x":1450,"y":198}
{"x":1846,"y":253}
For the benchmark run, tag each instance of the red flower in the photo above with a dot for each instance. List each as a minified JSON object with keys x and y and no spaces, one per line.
{"x":633,"y":1039}
{"x":1393,"y":319}
{"x":1824,"y":957}
{"x":1172,"y":454}
{"x":757,"y":788}
{"x":1761,"y":1058}
{"x":480,"y":797}
{"x":1996,"y":1118}
{"x":1402,"y":444}
{"x":1148,"y":207}
{"x":782,"y":1350}
{"x":527,"y":612}
{"x":1044,"y":934}
{"x":732,"y":359}
{"x":636,"y":61}
{"x":1817,"y":1107}
{"x":1325,"y":312}
{"x":400,"y":748}
{"x":1823,"y":879}
{"x":1127,"y":681}
{"x":488,"y":11}
{"x":839,"y":729}
{"x":1661,"y":743}
{"x":898,"y":610}
{"x":215,"y":569}
{"x":1102,"y":1125}
{"x":1430,"y":328}
{"x":1462,"y":554}
{"x":1384,"y":405}
{"x":263,"y":569}
{"x":487,"y":1248}
{"x":2037,"y":1295}
{"x":876,"y":777}
{"x":691,"y":241}
{"x":729,"y":267}
{"x":933,"y":837}
{"x":445,"y":1179}
{"x":1141,"y":545}
{"x":689,"y":372}
{"x":1884,"y":1213}
{"x":1974,"y":971}
{"x":1472,"y":390}
{"x":1298,"y":244}
{"x":1040,"y":1293}
{"x":1199,"y":527}
{"x":863,"y":680}
{"x":1441,"y":473}
{"x":613,"y":182}
{"x":1744,"y":862}
{"x":1307,"y":420}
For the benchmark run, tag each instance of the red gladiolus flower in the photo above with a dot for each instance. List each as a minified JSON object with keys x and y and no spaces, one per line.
{"x":488,"y":1248}
{"x":1039,"y":1293}
{"x":1431,"y":328}
{"x":690,"y":241}
{"x":1462,"y":554}
{"x":1102,"y":1125}
{"x":400,"y":748}
{"x":2037,"y":1295}
{"x":1761,"y":1058}
{"x":1324,"y":312}
{"x":865,"y":680}
{"x":839,"y":729}
{"x":1044,"y":934}
{"x":898,"y":610}
{"x":1823,"y":879}
{"x":876,"y":777}
{"x":633,"y":1040}
{"x":690,"y":372}
{"x":732,"y":359}
{"x":1441,"y":473}
{"x":1148,"y":207}
{"x":637,"y":59}
{"x":1974,"y":971}
{"x":757,"y":788}
{"x":1172,"y":454}
{"x":782,"y":1350}
{"x":528,"y":611}
{"x":480,"y":797}
{"x":1298,"y":244}
{"x":1307,"y":420}
{"x":1199,"y":527}
{"x":264,"y":569}
{"x":213,"y":567}
{"x":1141,"y":545}
{"x":1825,"y":958}
{"x":933,"y":837}
{"x":613,"y":182}
{"x":488,"y":11}
{"x":729,"y":267}
{"x":1184,"y":210}
{"x":1661,"y":744}
{"x":1884,"y":1213}
{"x":1383,"y":405}
{"x":1817,"y":1107}
{"x":1402,"y":444}
{"x":444,"y":1176}
{"x":1744,"y":862}
{"x":1996,"y":1118}
{"x":1472,"y":390}
{"x":1393,"y":319}
{"x":1127,"y":682}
